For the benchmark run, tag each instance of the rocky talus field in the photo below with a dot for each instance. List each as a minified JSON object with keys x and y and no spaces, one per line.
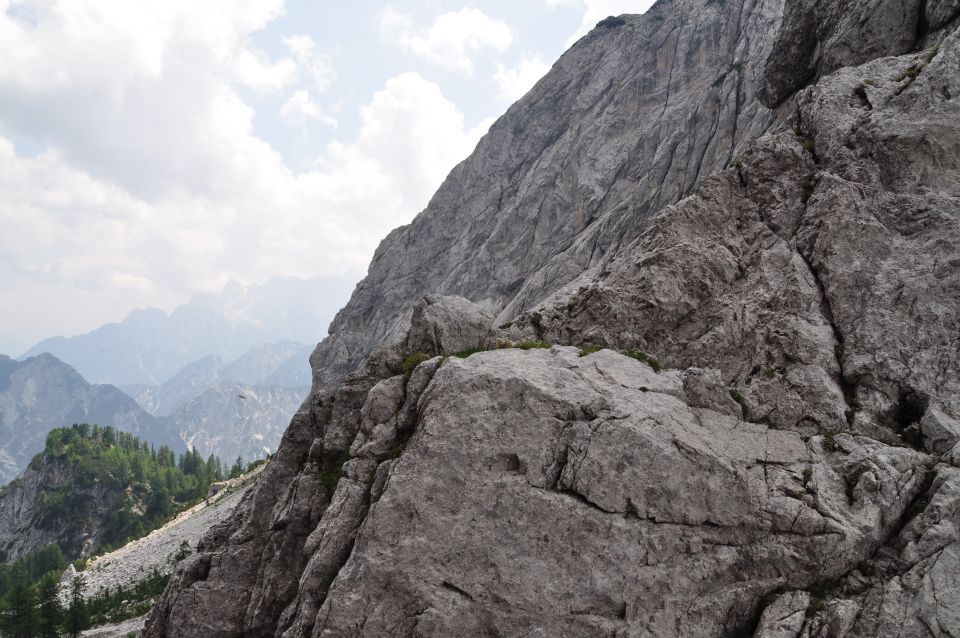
{"x":675,"y":352}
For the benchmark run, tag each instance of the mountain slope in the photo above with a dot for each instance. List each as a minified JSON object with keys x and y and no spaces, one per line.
{"x":796,"y":474}
{"x":149,"y":346}
{"x":42,"y":393}
{"x":232,"y":410}
{"x":232,"y":419}
{"x":625,"y":124}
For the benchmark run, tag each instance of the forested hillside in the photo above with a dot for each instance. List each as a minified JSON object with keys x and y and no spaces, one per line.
{"x":94,"y":488}
{"x":42,"y":393}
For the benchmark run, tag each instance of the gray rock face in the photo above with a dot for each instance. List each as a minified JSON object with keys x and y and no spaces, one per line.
{"x":785,"y":617}
{"x":24,"y":528}
{"x":626,"y":122}
{"x":447,"y":324}
{"x":793,"y":470}
{"x":529,"y":523}
{"x":820,"y":274}
{"x":818,"y":37}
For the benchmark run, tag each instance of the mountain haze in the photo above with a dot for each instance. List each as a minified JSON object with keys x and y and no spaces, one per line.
{"x":149,"y":346}
{"x":283,"y":364}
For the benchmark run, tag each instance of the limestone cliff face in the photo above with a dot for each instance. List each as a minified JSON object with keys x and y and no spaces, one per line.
{"x":27,"y":524}
{"x":795,"y":469}
{"x":626,"y":122}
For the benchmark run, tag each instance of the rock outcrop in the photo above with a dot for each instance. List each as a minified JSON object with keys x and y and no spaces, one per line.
{"x":626,"y":122}
{"x":447,"y":324}
{"x":773,"y":451}
{"x":25,"y":524}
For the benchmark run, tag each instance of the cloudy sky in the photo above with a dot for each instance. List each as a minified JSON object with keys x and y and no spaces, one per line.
{"x":154,"y":149}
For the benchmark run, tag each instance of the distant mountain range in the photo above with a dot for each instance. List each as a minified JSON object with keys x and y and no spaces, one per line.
{"x":233,"y":409}
{"x":232,"y":419}
{"x":228,"y":410}
{"x":42,"y":393}
{"x":284,"y":364}
{"x":222,"y":372}
{"x":150,"y":346}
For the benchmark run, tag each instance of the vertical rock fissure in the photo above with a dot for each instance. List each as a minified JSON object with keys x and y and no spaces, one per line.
{"x":849,"y":389}
{"x":738,"y":99}
{"x":923,"y":24}
{"x":323,"y":586}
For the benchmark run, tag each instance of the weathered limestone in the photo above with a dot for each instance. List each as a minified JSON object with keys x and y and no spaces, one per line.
{"x":447,"y":324}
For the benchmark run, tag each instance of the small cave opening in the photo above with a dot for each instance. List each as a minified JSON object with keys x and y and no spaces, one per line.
{"x":910,"y":407}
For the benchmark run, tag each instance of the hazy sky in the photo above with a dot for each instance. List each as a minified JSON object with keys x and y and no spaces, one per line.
{"x":153,"y":149}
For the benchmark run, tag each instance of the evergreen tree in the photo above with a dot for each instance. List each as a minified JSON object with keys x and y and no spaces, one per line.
{"x":77,"y":612}
{"x":21,"y":612}
{"x":51,"y":613}
{"x":237,"y":468}
{"x":157,"y":481}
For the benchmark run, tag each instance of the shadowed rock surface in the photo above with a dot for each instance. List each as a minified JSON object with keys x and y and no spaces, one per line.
{"x":793,"y":469}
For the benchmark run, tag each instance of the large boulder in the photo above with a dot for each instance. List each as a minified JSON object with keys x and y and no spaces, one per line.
{"x":444,"y":325}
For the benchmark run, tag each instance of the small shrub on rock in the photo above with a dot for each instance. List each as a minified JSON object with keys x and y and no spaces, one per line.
{"x":411,"y":362}
{"x":463,"y":354}
{"x":643,"y":357}
{"x":611,"y":22}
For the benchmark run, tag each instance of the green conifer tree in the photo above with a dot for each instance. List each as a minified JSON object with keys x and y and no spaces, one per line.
{"x":51,"y":612}
{"x":77,"y":612}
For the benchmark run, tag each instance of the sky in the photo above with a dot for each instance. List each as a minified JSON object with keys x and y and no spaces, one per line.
{"x":153,"y":150}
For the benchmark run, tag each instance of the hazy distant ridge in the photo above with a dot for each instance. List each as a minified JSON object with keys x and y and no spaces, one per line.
{"x":150,"y":346}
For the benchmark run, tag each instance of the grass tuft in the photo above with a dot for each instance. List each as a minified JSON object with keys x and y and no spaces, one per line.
{"x":643,"y":357}
{"x":531,"y":345}
{"x":411,"y":362}
{"x":463,"y":354}
{"x":331,"y":476}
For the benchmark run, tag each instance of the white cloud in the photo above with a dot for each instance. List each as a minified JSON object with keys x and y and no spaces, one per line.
{"x":318,"y":67}
{"x":513,"y":83}
{"x":301,"y":109}
{"x":153,"y":184}
{"x":451,"y":42}
{"x":142,"y":94}
{"x":67,"y":231}
{"x":252,"y":68}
